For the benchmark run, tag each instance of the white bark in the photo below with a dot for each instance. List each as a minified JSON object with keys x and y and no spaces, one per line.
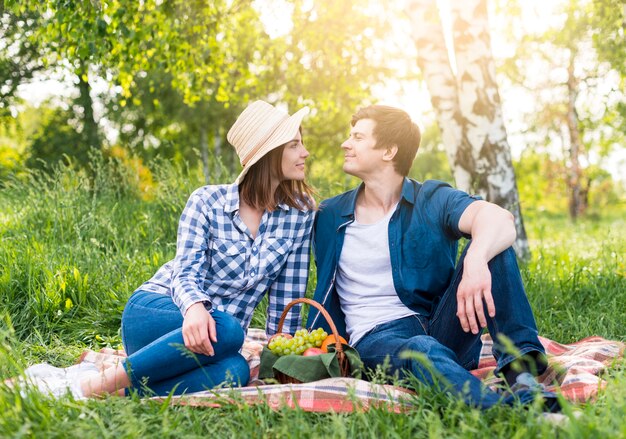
{"x":468,"y":107}
{"x":479,"y":101}
{"x":434,"y":63}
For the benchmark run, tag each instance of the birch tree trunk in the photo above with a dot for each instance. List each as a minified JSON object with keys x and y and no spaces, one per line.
{"x":574,"y":182}
{"x":435,"y":66}
{"x":468,"y":106}
{"x":493,"y":176}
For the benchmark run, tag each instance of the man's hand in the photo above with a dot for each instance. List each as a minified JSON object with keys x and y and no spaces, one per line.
{"x":199,"y":330}
{"x":475,"y":286}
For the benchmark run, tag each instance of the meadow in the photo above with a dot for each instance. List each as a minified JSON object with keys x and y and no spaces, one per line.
{"x":75,"y":244}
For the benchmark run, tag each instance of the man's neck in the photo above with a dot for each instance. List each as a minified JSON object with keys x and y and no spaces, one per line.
{"x":380,"y":194}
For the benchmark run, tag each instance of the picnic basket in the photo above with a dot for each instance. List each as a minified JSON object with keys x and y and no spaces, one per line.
{"x":343,"y":360}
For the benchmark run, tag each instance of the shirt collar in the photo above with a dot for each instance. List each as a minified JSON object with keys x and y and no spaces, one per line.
{"x":408,"y":194}
{"x":408,"y":191}
{"x":232,"y":199}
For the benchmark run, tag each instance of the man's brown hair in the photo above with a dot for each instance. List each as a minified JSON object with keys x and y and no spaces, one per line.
{"x":256,"y":187}
{"x":393,"y":127}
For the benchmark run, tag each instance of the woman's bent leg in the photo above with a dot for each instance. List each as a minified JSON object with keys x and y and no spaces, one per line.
{"x":167,"y":357}
{"x":231,"y":371}
{"x":148,"y":316}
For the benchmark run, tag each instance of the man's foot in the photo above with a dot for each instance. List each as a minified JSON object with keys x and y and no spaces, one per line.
{"x":527,"y":389}
{"x":526,"y":381}
{"x":534,"y":363}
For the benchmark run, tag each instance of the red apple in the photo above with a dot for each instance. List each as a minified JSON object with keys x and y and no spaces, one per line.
{"x":312,"y":351}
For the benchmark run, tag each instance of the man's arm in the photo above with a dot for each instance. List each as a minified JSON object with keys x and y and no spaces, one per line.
{"x":493,"y":230}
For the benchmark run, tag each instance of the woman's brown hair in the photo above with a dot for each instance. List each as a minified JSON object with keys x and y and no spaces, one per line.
{"x":256,"y":187}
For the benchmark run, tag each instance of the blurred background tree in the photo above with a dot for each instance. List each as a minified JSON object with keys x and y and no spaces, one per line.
{"x":165,"y":79}
{"x":577,"y":101}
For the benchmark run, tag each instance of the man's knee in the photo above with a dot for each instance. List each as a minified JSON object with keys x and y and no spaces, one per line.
{"x":420,"y":344}
{"x":505,"y":261}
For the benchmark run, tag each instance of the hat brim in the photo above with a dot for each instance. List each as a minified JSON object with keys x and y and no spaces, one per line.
{"x":285,"y":132}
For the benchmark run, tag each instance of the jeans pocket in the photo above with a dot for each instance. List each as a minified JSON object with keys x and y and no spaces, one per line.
{"x":423,"y":321}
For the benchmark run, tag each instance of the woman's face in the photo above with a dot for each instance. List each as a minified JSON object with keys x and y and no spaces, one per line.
{"x":294,"y":155}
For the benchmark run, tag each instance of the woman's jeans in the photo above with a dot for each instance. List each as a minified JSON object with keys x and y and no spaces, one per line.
{"x":450,"y":351}
{"x":158,"y":361}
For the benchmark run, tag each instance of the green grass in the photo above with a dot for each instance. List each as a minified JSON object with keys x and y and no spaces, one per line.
{"x":75,"y":245}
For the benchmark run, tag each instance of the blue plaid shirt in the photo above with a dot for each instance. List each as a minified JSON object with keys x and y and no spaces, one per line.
{"x":217,"y":260}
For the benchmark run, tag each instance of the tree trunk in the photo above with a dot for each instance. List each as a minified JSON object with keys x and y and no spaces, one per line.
{"x":492,"y":176}
{"x":204,"y":149}
{"x":468,"y":105}
{"x":90,"y":127}
{"x":574,"y":183}
{"x":434,"y":64}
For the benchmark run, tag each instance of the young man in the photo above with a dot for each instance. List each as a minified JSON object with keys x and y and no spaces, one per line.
{"x":385,"y":255}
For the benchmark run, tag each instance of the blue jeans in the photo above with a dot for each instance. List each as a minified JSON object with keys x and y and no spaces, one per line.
{"x":158,"y":361}
{"x":453,"y":352}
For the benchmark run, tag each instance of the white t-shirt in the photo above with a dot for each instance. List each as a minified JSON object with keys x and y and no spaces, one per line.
{"x":364,"y":281}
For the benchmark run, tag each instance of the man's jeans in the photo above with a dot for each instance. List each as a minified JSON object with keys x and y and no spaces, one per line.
{"x":158,"y":361}
{"x":450,"y":350}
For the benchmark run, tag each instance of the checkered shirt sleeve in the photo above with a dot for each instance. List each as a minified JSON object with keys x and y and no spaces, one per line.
{"x":291,"y":282}
{"x":190,"y":266}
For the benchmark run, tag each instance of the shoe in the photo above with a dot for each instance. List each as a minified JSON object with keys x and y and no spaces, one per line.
{"x":57,"y":386}
{"x":527,"y":389}
{"x":43,"y":370}
{"x":56,"y":381}
{"x":559,"y":419}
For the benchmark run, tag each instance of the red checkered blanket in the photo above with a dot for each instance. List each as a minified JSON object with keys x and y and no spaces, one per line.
{"x":575,"y":368}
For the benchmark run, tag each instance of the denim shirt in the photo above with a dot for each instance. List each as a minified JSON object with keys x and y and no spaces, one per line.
{"x":423,"y":244}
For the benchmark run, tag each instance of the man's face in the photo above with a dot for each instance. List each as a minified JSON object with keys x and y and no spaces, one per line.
{"x":360,"y":157}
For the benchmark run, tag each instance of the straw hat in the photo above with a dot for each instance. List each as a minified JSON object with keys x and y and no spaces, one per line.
{"x":260,"y":128}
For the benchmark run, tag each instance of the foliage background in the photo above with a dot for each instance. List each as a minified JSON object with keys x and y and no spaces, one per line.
{"x":93,"y":180}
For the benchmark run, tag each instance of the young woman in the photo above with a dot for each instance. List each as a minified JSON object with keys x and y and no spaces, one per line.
{"x":182,"y":329}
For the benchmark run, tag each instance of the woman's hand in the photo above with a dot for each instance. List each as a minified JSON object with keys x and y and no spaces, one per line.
{"x":199,"y":330}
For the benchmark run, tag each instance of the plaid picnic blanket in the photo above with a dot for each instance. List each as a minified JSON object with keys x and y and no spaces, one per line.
{"x":575,"y":369}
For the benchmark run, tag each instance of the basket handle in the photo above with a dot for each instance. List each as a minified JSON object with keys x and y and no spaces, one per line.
{"x":321,"y":309}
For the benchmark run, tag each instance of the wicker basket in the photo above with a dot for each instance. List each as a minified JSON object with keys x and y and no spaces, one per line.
{"x":344,"y":364}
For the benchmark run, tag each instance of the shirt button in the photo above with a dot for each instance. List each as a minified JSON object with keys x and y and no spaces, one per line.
{"x":252,"y":272}
{"x":254,"y":248}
